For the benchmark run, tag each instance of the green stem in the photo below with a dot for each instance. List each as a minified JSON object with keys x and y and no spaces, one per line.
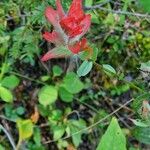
{"x":2,"y":71}
{"x":87,"y":105}
{"x":28,"y":78}
{"x":131,"y":84}
{"x":19,"y":144}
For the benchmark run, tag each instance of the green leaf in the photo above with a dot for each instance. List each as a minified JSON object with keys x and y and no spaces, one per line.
{"x":145,"y":4}
{"x":20,"y":110}
{"x":47,"y":95}
{"x":56,"y":115}
{"x":45,"y":78}
{"x":57,"y":71}
{"x":109,"y":70}
{"x":75,"y":126}
{"x":94,"y":17}
{"x":58,"y":132}
{"x":95,"y":53}
{"x":37,"y":136}
{"x":25,"y":128}
{"x":88,"y":3}
{"x":139,"y":123}
{"x":113,"y":139}
{"x":142,"y":134}
{"x":1,"y":147}
{"x":65,"y":95}
{"x":72,"y":83}
{"x":6,"y":95}
{"x":85,"y":68}
{"x":110,"y":19}
{"x":10,"y":82}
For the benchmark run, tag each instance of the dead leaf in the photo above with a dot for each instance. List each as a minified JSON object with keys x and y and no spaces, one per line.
{"x":35,"y":116}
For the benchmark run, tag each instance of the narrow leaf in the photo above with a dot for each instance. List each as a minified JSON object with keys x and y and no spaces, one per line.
{"x":85,"y":68}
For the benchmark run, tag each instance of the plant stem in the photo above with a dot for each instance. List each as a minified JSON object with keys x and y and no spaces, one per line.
{"x":99,"y":67}
{"x":19,"y":144}
{"x":9,"y":137}
{"x":2,"y":71}
{"x":28,"y":78}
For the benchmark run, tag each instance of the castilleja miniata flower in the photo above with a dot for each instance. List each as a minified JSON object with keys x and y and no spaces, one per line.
{"x":69,"y":28}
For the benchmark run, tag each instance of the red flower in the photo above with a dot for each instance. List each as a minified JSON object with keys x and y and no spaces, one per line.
{"x":69,"y":28}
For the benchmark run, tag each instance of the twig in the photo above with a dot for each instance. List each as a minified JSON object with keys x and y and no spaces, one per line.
{"x":28,"y":78}
{"x":9,"y":137}
{"x":119,"y":117}
{"x":125,"y":107}
{"x":20,"y":16}
{"x":3,"y":117}
{"x":98,"y":5}
{"x":91,"y":126}
{"x":117,"y":11}
{"x":87,"y":105}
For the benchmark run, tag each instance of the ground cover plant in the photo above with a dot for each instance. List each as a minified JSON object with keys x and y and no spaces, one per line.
{"x":74,"y":75}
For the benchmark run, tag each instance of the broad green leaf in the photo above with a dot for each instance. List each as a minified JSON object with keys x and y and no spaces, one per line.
{"x":1,"y":147}
{"x":56,"y":115}
{"x":113,"y":139}
{"x":5,"y":95}
{"x":75,"y":126}
{"x":58,"y":132}
{"x":142,"y":134}
{"x":57,"y":71}
{"x":72,"y":83}
{"x":47,"y":95}
{"x":65,"y":95}
{"x":109,"y":70}
{"x":25,"y":128}
{"x":10,"y":82}
{"x":145,"y":5}
{"x":85,"y":68}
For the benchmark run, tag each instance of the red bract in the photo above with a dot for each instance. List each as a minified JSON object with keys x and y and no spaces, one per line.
{"x":69,"y":28}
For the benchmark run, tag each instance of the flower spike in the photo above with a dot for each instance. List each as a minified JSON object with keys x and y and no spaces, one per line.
{"x":69,"y":28}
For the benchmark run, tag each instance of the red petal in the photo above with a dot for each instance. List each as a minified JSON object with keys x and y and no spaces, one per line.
{"x":83,"y":43}
{"x":54,"y":53}
{"x":51,"y":37}
{"x":71,"y":26}
{"x":67,"y":23}
{"x":75,"y":48}
{"x":60,"y":9}
{"x":47,"y":56}
{"x":78,"y":46}
{"x":76,"y":31}
{"x":76,"y":10}
{"x":86,"y":22}
{"x":52,"y":16}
